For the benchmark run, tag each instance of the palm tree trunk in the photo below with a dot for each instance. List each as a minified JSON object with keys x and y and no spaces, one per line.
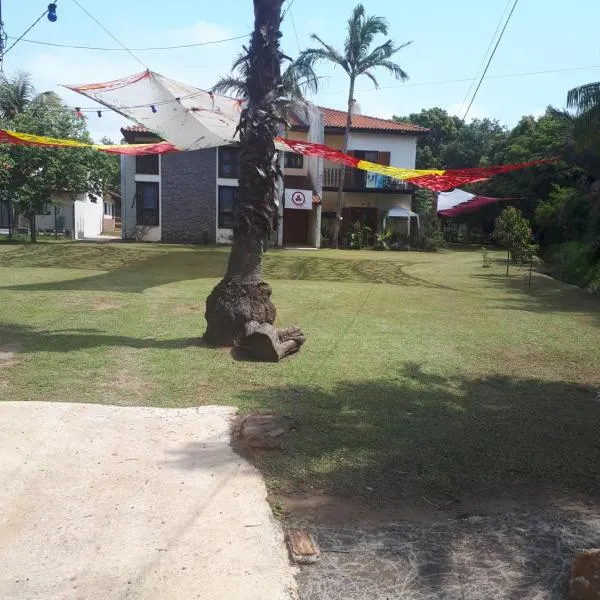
{"x":242,"y":296}
{"x":338,"y":223}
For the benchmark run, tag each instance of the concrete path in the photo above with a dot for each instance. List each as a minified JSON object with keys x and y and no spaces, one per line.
{"x":104,"y":502}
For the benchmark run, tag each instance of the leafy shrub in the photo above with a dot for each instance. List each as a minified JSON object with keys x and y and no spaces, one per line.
{"x":433,"y":240}
{"x":383,"y":239}
{"x":574,"y":262}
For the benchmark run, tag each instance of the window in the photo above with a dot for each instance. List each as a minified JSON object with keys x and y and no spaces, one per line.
{"x":229,"y":161}
{"x":293,"y":161}
{"x":147,"y":165}
{"x":227,"y":199}
{"x":106,"y":210}
{"x":147,"y":200}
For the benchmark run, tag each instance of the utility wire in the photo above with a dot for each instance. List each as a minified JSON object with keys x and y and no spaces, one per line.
{"x":109,"y":33}
{"x":485,"y":56}
{"x":17,"y":40}
{"x":446,"y":81}
{"x":294,"y":26}
{"x":103,"y":49}
{"x":512,"y":10}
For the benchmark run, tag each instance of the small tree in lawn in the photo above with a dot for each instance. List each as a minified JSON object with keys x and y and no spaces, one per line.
{"x":512,"y":232}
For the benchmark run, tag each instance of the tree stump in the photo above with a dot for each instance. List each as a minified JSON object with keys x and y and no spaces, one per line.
{"x":266,"y":343}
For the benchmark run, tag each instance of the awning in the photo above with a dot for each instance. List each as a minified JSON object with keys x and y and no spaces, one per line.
{"x":399,"y":211}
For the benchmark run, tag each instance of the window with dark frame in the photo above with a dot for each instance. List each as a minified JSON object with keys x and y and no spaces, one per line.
{"x":293,"y":161}
{"x":229,"y":162}
{"x":147,"y":201}
{"x":147,"y":165}
{"x":227,"y":199}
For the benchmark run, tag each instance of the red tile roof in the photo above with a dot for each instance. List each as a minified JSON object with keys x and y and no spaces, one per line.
{"x":336,"y":119}
{"x":135,"y":129}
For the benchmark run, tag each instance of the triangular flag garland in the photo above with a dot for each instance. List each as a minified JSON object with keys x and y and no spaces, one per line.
{"x":438,"y":180}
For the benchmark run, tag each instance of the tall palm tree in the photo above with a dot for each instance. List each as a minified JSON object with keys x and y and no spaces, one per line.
{"x":17,"y":95}
{"x":242,"y":297}
{"x":358,"y":58}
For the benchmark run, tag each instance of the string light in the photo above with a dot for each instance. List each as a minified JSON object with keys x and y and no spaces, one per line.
{"x":52,"y":12}
{"x":154,"y":109}
{"x":100,"y":114}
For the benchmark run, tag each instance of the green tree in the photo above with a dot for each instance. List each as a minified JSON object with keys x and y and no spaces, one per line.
{"x":35,"y":174}
{"x":17,"y":94}
{"x":443,"y":129}
{"x":242,"y":299}
{"x":512,"y":231}
{"x":357,"y":59}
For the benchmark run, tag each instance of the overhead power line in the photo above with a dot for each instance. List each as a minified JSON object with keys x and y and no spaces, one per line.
{"x":512,"y":10}
{"x":128,"y":50}
{"x":465,"y":79}
{"x":108,"y":49}
{"x":485,"y":55}
{"x":18,"y":39}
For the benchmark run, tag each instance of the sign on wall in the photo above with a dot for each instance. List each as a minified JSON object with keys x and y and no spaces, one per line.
{"x":298,"y":199}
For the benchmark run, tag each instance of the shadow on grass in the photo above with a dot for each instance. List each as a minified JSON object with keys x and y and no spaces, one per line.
{"x":545,"y":295}
{"x":418,"y":435}
{"x":68,"y":340}
{"x":134,"y":268}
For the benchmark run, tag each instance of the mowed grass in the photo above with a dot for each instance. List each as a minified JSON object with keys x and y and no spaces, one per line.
{"x":423,"y":375}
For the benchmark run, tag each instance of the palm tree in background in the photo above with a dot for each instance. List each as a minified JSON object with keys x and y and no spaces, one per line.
{"x":585,"y":99}
{"x":17,"y":95}
{"x":358,"y":58}
{"x":296,"y":81}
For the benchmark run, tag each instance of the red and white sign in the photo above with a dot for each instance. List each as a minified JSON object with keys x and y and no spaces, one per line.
{"x":298,"y":199}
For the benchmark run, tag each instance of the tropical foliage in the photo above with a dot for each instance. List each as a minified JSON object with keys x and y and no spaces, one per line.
{"x":358,"y":58}
{"x":33,"y":176}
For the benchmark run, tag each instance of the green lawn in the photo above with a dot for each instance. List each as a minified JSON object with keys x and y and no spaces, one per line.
{"x":423,"y":375}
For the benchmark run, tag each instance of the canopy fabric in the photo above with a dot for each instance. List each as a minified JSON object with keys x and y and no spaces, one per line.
{"x":186,"y":116}
{"x":458,"y":202}
{"x":399,"y":211}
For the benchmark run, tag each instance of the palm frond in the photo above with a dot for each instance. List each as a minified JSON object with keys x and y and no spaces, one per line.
{"x":231,"y":86}
{"x":584,"y":97}
{"x":311,"y":56}
{"x":371,"y":27}
{"x":371,"y":77}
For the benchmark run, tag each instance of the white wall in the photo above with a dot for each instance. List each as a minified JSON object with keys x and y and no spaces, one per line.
{"x":402,"y":148}
{"x":88,"y":216}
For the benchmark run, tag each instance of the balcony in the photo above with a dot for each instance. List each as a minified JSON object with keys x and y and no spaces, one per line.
{"x":358,"y":180}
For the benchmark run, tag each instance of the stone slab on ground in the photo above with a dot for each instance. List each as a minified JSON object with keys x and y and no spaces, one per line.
{"x":125,"y":502}
{"x":584,"y":583}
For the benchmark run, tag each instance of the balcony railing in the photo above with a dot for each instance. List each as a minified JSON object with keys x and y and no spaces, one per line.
{"x":356,"y":179}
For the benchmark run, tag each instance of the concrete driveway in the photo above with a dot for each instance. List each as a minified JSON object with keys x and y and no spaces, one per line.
{"x":115,"y":502}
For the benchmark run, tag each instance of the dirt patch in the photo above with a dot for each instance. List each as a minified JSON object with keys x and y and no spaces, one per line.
{"x":101,"y":305}
{"x":182,"y":310}
{"x":8,"y":354}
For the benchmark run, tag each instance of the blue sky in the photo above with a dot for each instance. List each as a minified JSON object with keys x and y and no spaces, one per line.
{"x":449,"y":42}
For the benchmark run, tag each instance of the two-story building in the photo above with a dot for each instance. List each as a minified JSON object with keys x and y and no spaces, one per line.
{"x":189,"y":196}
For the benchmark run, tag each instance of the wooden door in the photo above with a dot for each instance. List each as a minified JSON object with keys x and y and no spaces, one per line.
{"x":295,"y":226}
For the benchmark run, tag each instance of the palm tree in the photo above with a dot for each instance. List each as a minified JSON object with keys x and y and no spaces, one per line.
{"x":296,"y":80}
{"x":242,"y":300}
{"x":17,"y":95}
{"x":356,"y":59}
{"x":585,"y":98}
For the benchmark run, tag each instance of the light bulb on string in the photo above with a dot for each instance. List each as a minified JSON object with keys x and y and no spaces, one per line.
{"x":154,"y":110}
{"x":52,"y":12}
{"x":100,"y":114}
